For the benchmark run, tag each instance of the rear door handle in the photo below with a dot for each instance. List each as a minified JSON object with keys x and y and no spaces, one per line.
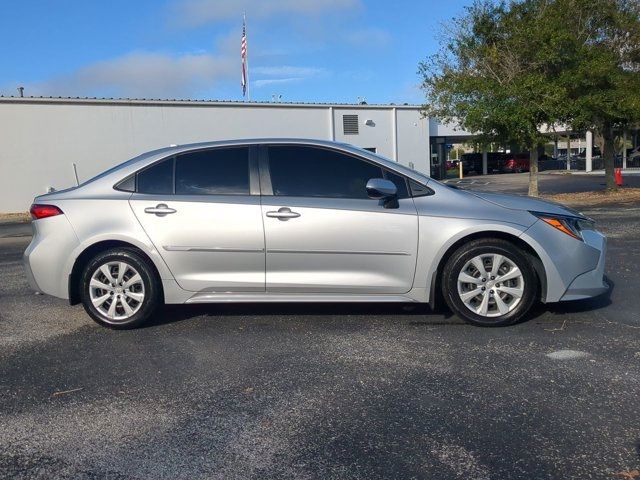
{"x":160,"y":210}
{"x":283,"y":214}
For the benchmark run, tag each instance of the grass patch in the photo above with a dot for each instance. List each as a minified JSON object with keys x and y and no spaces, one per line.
{"x":453,"y":173}
{"x":598,"y":197}
{"x":15,"y":217}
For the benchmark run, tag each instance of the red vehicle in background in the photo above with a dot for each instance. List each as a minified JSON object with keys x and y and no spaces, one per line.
{"x":516,"y":163}
{"x":451,"y":164}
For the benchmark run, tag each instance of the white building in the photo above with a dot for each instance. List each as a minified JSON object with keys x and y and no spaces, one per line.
{"x":42,"y":138}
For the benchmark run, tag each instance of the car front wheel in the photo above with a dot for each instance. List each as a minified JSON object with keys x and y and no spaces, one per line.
{"x":120,"y":289}
{"x":490,"y":282}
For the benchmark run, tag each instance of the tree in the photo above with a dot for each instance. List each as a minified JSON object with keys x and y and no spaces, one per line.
{"x":509,"y":70}
{"x":600,"y":78}
{"x":491,"y":75}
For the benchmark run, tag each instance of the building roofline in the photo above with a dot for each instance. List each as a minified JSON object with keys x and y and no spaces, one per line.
{"x":198,"y":103}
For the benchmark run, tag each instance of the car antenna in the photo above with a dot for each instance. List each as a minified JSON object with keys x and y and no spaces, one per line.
{"x":75,"y":172}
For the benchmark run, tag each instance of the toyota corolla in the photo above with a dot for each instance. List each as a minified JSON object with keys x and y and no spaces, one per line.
{"x":292,"y":220}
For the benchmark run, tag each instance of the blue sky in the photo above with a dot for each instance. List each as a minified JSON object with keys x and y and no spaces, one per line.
{"x":304,"y":50}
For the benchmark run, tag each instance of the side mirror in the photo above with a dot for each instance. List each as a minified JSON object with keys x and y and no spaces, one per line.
{"x":379,"y":188}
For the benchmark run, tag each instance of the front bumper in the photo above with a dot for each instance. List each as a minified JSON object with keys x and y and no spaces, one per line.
{"x":591,"y":283}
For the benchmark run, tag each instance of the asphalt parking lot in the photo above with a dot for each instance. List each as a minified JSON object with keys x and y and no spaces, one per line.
{"x":325,"y":391}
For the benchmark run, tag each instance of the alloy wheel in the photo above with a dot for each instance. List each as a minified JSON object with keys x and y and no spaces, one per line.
{"x":491,"y":285}
{"x":116,"y":290}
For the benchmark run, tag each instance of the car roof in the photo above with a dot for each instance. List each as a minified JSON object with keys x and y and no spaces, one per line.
{"x":104,"y":182}
{"x":180,"y":148}
{"x":154,"y":155}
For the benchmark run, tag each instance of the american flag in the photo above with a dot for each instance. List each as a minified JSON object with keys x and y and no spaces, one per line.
{"x":243,"y":54}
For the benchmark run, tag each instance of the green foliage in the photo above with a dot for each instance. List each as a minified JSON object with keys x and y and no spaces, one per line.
{"x":506,"y":70}
{"x":601,"y":76}
{"x":601,"y":72}
{"x":456,"y":153}
{"x":494,"y":74}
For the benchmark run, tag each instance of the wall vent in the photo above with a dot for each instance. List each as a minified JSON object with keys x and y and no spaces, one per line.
{"x":350,"y":124}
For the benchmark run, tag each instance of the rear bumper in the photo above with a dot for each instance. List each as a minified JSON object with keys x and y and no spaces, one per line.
{"x":45,"y":258}
{"x":27,"y":269}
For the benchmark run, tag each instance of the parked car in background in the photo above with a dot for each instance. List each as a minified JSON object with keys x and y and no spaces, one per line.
{"x":633,"y":158}
{"x":472,"y":162}
{"x":576,"y":163}
{"x":516,"y":163}
{"x":545,"y":162}
{"x":295,"y":220}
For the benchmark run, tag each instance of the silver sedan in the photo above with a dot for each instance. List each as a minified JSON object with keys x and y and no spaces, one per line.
{"x":292,"y":220}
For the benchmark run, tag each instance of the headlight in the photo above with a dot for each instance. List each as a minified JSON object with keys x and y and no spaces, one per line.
{"x":572,"y":226}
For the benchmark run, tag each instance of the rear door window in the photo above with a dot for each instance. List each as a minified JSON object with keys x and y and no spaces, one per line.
{"x":219,"y":171}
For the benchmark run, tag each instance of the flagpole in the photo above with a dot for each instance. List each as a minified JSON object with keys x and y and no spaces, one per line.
{"x":244,"y":21}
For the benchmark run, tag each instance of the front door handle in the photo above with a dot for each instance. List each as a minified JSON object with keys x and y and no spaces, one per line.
{"x":283,"y":214}
{"x":160,"y":210}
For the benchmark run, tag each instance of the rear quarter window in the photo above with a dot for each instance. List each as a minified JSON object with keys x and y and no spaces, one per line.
{"x":156,"y":179}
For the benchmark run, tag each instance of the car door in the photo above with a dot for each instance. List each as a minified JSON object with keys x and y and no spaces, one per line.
{"x":322,"y":232}
{"x":201,"y":210}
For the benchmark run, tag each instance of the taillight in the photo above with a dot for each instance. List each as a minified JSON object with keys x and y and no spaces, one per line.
{"x":44,"y":211}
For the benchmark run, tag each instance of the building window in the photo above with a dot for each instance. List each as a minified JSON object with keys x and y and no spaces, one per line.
{"x":350,"y":124}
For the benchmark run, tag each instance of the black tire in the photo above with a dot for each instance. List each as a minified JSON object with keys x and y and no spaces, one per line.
{"x":467,"y":252}
{"x":153,"y":296}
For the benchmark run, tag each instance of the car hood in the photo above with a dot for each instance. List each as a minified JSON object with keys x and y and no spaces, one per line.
{"x":518,"y":202}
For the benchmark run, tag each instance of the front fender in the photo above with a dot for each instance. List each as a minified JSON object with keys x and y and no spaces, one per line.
{"x":439,"y":234}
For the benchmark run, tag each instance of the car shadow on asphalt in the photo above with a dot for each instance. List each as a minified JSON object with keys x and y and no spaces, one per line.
{"x":416,"y":314}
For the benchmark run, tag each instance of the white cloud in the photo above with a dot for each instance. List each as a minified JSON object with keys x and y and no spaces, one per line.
{"x":143,"y":74}
{"x":275,"y":81}
{"x":311,"y":25}
{"x":159,"y":75}
{"x":282,"y":74}
{"x":195,"y":13}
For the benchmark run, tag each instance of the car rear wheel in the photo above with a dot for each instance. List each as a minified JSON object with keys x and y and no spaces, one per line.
{"x":490,"y":283}
{"x":120,"y":290}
